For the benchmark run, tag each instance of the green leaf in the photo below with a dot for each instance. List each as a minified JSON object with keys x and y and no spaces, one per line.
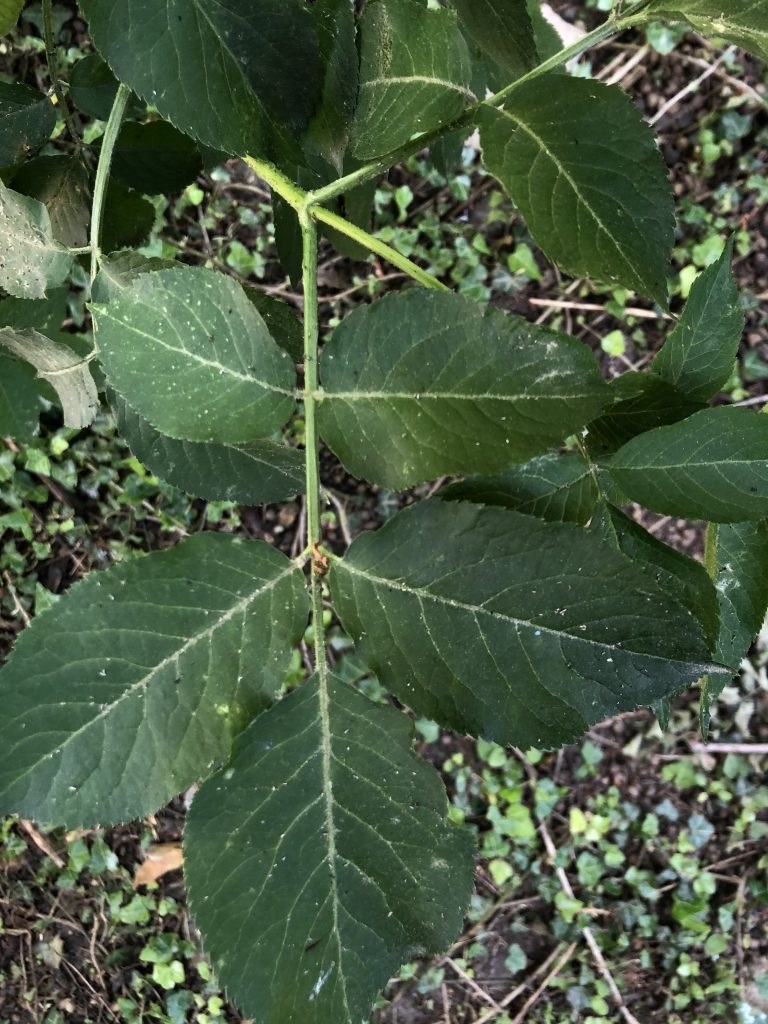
{"x":128,"y":218}
{"x":504,"y":626}
{"x":9,"y":15}
{"x":503,"y":29}
{"x":282,"y":322}
{"x":27,"y":119}
{"x":19,"y":400}
{"x":93,"y":89}
{"x":261,"y":74}
{"x":61,"y":184}
{"x":742,"y":586}
{"x":548,"y":41}
{"x":424,"y":383}
{"x":744,"y":22}
{"x":329,"y":130}
{"x":32,"y":260}
{"x":68,"y":375}
{"x":682,"y":577}
{"x":415,"y":74}
{"x":353,"y":867}
{"x":583,"y":168}
{"x":558,"y":488}
{"x":190,"y":353}
{"x":643,"y":401}
{"x":133,"y":687}
{"x":118,"y":271}
{"x":712,"y":466}
{"x":155,"y":157}
{"x":698,"y":356}
{"x":253,"y":474}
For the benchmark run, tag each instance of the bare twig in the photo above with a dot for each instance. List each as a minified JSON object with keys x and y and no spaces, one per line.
{"x":530,"y":1003}
{"x":692,"y":86}
{"x":477,"y":989}
{"x":752,"y":749}
{"x":645,"y":314}
{"x":42,"y":843}
{"x":510,"y":997}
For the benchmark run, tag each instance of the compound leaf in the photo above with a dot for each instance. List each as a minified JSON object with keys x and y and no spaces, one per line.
{"x":423,"y":383}
{"x":27,"y":118}
{"x":503,"y":30}
{"x":584,"y":169}
{"x":744,"y":22}
{"x":68,"y":375}
{"x":698,"y":356}
{"x":250,"y":91}
{"x":93,"y":88}
{"x":155,"y":157}
{"x":61,"y":184}
{"x":19,"y":400}
{"x":133,"y":687}
{"x":190,"y":353}
{"x":558,"y":488}
{"x":712,"y":466}
{"x":31,"y":260}
{"x":503,"y":626}
{"x":352,"y":866}
{"x":116,"y":272}
{"x":415,"y":74}
{"x":282,"y":322}
{"x":329,"y":130}
{"x":252,"y":474}
{"x":128,"y":218}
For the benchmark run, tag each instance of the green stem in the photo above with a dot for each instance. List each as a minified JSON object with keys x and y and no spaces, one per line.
{"x":102,"y":174}
{"x":378,"y":247}
{"x":312,"y":455}
{"x":54,"y":71}
{"x":278,"y":182}
{"x":468,"y":118}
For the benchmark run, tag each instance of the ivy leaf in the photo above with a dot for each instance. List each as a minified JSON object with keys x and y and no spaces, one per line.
{"x":27,"y":119}
{"x":558,"y":488}
{"x":196,"y":638}
{"x":698,"y":356}
{"x":584,"y":170}
{"x":250,"y":91}
{"x":353,"y":867}
{"x":642,"y":401}
{"x":31,"y":259}
{"x":503,"y":626}
{"x":61,"y":184}
{"x":62,"y":368}
{"x":155,"y":157}
{"x":684,"y":578}
{"x":415,"y":74}
{"x":190,"y":353}
{"x":252,"y":474}
{"x":712,"y":466}
{"x":423,"y":383}
{"x":329,"y":130}
{"x":9,"y":15}
{"x":93,"y":89}
{"x":503,"y":29}
{"x":744,"y":22}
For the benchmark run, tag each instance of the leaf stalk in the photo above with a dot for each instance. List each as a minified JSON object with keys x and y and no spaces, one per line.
{"x":111,"y":133}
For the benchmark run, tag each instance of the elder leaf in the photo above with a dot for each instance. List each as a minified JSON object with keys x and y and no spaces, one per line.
{"x":353,"y":866}
{"x":9,"y":15}
{"x":155,"y":157}
{"x":61,"y":184}
{"x":503,"y":29}
{"x":712,"y":466}
{"x":68,"y":375}
{"x":251,"y":93}
{"x":134,"y":687}
{"x":31,"y":260}
{"x":503,"y":626}
{"x":415,"y":74}
{"x":252,"y":474}
{"x":698,"y":356}
{"x":190,"y":353}
{"x":584,"y":170}
{"x":424,"y":383}
{"x":744,"y":22}
{"x":27,"y":118}
{"x":558,"y":488}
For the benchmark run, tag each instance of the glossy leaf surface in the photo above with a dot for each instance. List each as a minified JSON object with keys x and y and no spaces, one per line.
{"x":352,"y":866}
{"x":504,"y":626}
{"x":194,"y":639}
{"x":424,"y":383}
{"x":584,"y":170}
{"x":191,"y":354}
{"x":711,"y":466}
